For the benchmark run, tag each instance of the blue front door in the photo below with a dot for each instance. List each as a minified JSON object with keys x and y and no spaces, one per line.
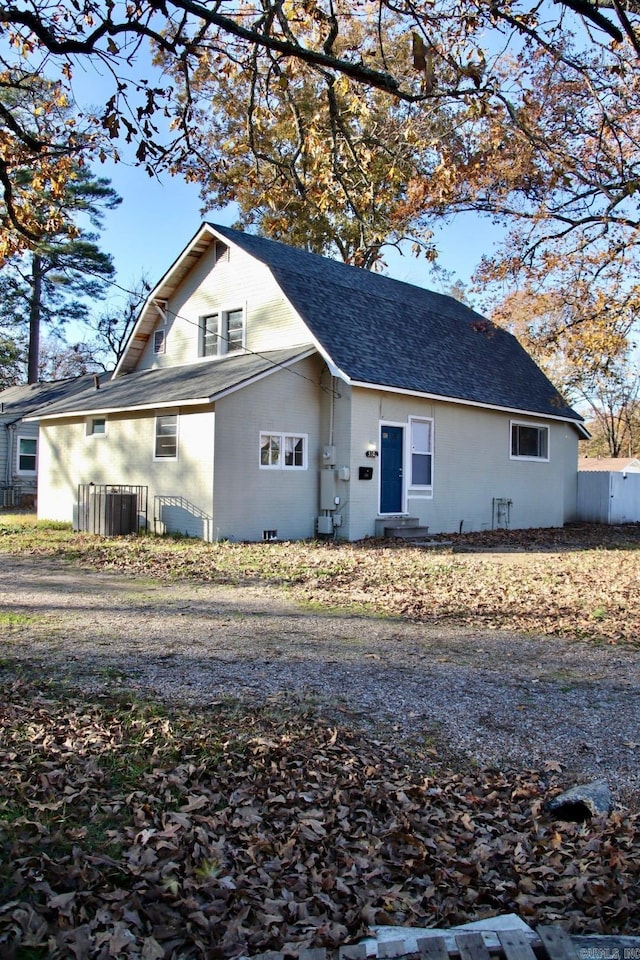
{"x":391,"y":469}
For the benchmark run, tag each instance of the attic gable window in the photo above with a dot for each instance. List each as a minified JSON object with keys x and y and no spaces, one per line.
{"x":222,"y":333}
{"x":159,"y":341}
{"x":529,"y":441}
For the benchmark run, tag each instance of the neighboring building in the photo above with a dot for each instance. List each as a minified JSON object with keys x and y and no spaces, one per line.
{"x":19,"y":436}
{"x":268,"y":392}
{"x":610,"y":464}
{"x":608,"y":490}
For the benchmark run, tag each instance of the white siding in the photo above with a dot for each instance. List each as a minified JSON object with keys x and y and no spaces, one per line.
{"x":471,"y":468}
{"x":235,"y":282}
{"x":248,"y":500}
{"x":180,"y":491}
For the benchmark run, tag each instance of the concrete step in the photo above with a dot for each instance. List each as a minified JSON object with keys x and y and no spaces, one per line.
{"x":403,"y":522}
{"x":405,"y":532}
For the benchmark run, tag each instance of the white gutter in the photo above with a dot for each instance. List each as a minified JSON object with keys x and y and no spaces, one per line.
{"x":469,"y":403}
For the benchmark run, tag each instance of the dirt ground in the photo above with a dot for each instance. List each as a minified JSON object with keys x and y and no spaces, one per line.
{"x":487,"y":698}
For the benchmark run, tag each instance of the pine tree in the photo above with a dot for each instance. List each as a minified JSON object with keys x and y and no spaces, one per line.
{"x":55,"y":280}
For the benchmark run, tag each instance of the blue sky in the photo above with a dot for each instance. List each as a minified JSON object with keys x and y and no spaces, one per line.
{"x":156,"y":219}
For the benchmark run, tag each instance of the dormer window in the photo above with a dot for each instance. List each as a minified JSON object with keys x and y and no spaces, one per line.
{"x":221,"y":333}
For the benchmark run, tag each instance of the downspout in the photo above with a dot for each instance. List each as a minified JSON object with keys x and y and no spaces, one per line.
{"x":11,"y":436}
{"x":332,"y":410}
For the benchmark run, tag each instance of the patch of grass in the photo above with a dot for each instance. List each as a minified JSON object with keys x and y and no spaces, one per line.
{"x":8,"y":619}
{"x":529,"y":587}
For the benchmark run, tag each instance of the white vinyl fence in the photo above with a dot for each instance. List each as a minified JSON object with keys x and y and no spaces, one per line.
{"x":608,"y":497}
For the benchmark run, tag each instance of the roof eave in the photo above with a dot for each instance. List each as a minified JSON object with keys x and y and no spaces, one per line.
{"x":173,"y":404}
{"x":469,"y":403}
{"x":163,"y":290}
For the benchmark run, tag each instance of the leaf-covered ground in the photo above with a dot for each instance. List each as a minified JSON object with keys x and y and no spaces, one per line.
{"x":132,"y":831}
{"x":580,"y":582}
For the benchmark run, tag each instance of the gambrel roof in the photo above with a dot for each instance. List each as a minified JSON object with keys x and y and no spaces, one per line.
{"x":372,"y":331}
{"x":385,"y":333}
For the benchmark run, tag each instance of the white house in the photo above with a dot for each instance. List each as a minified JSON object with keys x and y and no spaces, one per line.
{"x":268,"y":392}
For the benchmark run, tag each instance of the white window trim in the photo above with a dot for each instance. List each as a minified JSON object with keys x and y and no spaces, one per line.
{"x":419,"y":491}
{"x":223,"y":340}
{"x":163,"y":345}
{"x":282,"y":437}
{"x":157,"y":459}
{"x":25,"y":473}
{"x":89,"y":432}
{"x":537,"y":426}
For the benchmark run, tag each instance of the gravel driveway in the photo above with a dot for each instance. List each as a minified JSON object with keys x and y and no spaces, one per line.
{"x":486,"y":697}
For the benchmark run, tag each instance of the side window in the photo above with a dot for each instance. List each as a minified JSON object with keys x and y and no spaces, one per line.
{"x":166,"y":440}
{"x":27,"y":455}
{"x":283,"y":451}
{"x":529,"y":441}
{"x":421,"y":453}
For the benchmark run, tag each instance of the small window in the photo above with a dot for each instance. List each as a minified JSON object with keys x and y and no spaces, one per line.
{"x":97,"y":427}
{"x":159,"y":341}
{"x":166,"y":447}
{"x":27,"y":454}
{"x":529,"y":441}
{"x":421,"y":453}
{"x":222,"y":333}
{"x":283,"y":451}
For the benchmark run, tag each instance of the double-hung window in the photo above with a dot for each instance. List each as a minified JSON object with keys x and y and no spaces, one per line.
{"x":166,"y":439}
{"x":27,"y":455}
{"x":421,"y":468}
{"x":529,"y":441}
{"x":221,"y":333}
{"x":283,"y":451}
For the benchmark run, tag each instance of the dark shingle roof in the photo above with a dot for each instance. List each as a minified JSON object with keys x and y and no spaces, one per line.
{"x":381,"y":331}
{"x":170,"y":386}
{"x":18,"y":402}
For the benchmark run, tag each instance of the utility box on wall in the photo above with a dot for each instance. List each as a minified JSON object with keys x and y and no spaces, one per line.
{"x":327,"y":489}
